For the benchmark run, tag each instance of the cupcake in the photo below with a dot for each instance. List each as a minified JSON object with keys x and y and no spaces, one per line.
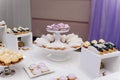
{"x":14,"y":58}
{"x":42,"y":42}
{"x":8,"y":30}
{"x":5,"y":59}
{"x":2,"y":23}
{"x":63,"y":38}
{"x":94,"y":42}
{"x":50,"y":37}
{"x":101,"y":41}
{"x":86,"y":44}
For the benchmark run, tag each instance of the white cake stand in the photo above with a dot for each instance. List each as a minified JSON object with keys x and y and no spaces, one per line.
{"x":7,"y":71}
{"x":58,"y":55}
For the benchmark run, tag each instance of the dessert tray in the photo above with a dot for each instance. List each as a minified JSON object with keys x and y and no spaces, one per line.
{"x":100,"y":47}
{"x":18,"y":31}
{"x":56,"y":46}
{"x":9,"y":58}
{"x":38,"y":69}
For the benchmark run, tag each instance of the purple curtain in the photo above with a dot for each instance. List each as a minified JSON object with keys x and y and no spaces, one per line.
{"x":105,"y":21}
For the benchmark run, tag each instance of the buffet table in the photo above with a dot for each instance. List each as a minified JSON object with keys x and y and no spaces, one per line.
{"x":61,"y":68}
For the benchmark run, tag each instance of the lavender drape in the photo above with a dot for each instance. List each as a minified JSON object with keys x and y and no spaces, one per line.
{"x":105,"y":21}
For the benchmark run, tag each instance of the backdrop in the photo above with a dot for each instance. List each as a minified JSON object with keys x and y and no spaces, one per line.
{"x":105,"y":21}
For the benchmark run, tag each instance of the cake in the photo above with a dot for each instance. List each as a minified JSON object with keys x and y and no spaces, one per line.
{"x":58,"y":27}
{"x":8,"y":57}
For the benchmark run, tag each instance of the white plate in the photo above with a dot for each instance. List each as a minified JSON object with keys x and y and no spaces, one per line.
{"x":31,"y":75}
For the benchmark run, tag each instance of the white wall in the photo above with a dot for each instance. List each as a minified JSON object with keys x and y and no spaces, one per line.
{"x":16,"y":12}
{"x":76,"y":13}
{"x":74,"y":10}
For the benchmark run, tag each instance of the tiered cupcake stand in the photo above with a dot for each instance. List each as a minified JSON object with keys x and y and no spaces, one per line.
{"x":7,"y":71}
{"x":58,"y":55}
{"x":12,"y":40}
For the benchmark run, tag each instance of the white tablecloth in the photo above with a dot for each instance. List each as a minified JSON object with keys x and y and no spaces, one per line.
{"x":61,"y":68}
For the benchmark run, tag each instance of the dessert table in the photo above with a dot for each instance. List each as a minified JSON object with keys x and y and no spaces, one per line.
{"x":61,"y":68}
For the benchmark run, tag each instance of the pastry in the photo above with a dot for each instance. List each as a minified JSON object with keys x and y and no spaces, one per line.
{"x":71,"y":36}
{"x":111,"y":47}
{"x":101,"y":41}
{"x":42,"y":42}
{"x":86,"y":44}
{"x":8,"y":57}
{"x":25,"y":48}
{"x":75,"y":45}
{"x":32,"y":66}
{"x":93,"y":42}
{"x":58,"y":27}
{"x":63,"y":78}
{"x":20,"y":43}
{"x":14,"y":58}
{"x":48,"y":41}
{"x":2,"y":23}
{"x":44,"y":69}
{"x":50,"y":38}
{"x":71,"y":77}
{"x":38,"y":68}
{"x":68,"y":77}
{"x":36,"y":71}
{"x":20,"y":30}
{"x":63,"y":38}
{"x":8,"y":30}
